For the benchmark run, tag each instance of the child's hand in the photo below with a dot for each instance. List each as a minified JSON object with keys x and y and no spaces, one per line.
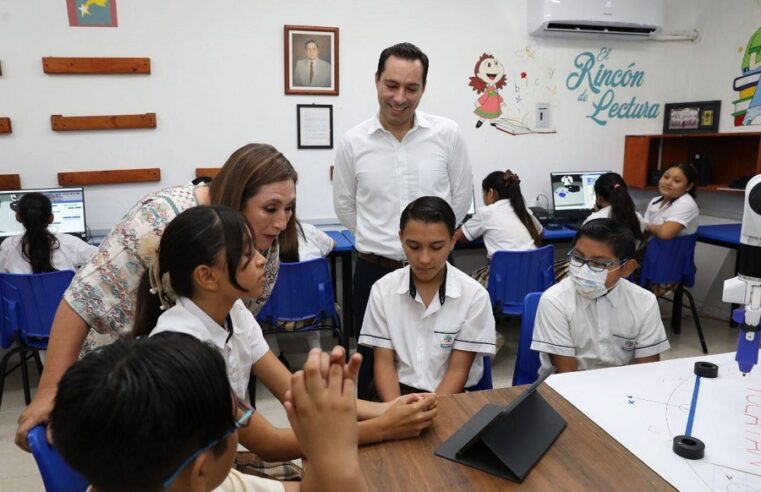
{"x":322,"y":411}
{"x":409,"y":415}
{"x":337,"y":356}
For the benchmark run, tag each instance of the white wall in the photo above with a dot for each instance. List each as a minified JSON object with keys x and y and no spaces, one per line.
{"x":217,"y":83}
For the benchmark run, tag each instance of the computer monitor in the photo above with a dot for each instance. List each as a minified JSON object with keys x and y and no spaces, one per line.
{"x":573,"y":193}
{"x":68,"y":211}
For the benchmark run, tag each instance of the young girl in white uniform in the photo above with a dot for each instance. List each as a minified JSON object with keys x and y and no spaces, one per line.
{"x":505,"y":223}
{"x":674,"y":212}
{"x":614,"y":202}
{"x":38,"y":250}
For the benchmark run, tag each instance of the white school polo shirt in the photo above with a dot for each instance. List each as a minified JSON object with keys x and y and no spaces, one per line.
{"x":377,"y":176}
{"x":313,"y":243}
{"x":423,"y":338}
{"x":241,"y":349}
{"x":683,"y":210}
{"x":501,"y":228}
{"x":604,"y":213}
{"x":612,"y":330}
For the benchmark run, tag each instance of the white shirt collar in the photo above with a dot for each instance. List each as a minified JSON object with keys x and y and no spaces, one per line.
{"x":419,"y":120}
{"x":452,"y":287}
{"x":217,"y":334}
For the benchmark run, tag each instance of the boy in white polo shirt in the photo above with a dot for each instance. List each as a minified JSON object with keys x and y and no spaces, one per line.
{"x":595,"y":317}
{"x":429,"y":323}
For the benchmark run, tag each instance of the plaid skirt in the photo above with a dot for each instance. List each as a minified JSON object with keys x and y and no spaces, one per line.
{"x":481,"y":275}
{"x":250,"y":464}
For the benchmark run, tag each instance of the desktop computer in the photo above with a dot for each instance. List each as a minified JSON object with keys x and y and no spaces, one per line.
{"x":68,"y":211}
{"x":573,"y":196}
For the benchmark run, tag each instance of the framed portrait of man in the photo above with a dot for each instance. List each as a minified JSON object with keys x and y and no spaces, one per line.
{"x":311,"y":60}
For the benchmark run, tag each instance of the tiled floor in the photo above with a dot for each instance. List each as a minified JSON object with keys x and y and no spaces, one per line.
{"x":18,"y":471}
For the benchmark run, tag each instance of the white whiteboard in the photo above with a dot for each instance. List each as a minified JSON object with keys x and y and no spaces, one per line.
{"x":644,"y":406}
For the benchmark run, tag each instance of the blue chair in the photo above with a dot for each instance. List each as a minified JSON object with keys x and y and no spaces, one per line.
{"x":485,"y":383}
{"x":527,"y":362}
{"x":56,"y":474}
{"x":673,"y":262}
{"x":29,"y":303}
{"x":302,"y":300}
{"x":513,"y":274}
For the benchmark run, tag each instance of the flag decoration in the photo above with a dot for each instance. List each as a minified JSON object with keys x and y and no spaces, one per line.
{"x":92,"y":13}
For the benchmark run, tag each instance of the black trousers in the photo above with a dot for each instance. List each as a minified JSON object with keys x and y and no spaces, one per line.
{"x":365,"y":275}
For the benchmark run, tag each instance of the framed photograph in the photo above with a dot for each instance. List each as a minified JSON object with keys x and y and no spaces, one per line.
{"x":314,"y":126}
{"x":691,"y":117}
{"x":311,"y":60}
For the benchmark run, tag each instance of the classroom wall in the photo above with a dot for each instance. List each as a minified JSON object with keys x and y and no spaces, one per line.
{"x":217,"y":83}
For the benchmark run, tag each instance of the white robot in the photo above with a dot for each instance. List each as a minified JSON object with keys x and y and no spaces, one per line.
{"x":745,"y":288}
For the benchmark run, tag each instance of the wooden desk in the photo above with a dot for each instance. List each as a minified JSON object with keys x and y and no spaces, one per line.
{"x":583,"y":457}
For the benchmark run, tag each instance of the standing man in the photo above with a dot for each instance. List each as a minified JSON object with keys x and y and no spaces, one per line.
{"x":386,"y":162}
{"x":312,"y":71}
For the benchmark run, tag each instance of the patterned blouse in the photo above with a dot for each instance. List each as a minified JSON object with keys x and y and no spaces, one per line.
{"x":103,"y":292}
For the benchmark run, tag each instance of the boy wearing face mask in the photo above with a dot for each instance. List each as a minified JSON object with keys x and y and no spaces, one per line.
{"x":595,"y":317}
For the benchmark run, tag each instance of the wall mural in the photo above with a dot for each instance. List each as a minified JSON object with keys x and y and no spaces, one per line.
{"x":600,"y":86}
{"x":748,"y":103}
{"x":505,"y":96}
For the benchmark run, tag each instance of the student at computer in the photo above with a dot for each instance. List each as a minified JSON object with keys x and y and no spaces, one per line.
{"x":505,"y":223}
{"x":185,"y":435}
{"x":595,"y":317}
{"x":614,"y":202}
{"x":675,"y":212}
{"x":38,"y":250}
{"x":429,"y":323}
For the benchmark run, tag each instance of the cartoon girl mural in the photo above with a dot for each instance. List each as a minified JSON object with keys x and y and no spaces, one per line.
{"x":489,"y":77}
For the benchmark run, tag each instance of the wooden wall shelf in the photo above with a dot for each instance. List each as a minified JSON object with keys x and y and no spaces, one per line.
{"x":81,"y":66}
{"x":10,"y":182}
{"x":61,"y":123}
{"x":117,"y":176}
{"x":5,"y":125}
{"x":729,"y":155}
{"x":207,"y":171}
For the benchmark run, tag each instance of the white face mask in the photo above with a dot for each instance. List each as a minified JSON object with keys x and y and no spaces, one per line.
{"x":588,"y":284}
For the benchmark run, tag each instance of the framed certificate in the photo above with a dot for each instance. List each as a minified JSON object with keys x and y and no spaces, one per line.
{"x":314,"y":126}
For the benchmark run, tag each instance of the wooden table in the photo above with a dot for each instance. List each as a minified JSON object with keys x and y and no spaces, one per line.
{"x":583,"y":457}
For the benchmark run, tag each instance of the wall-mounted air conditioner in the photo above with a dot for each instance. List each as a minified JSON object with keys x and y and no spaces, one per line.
{"x":623,"y":19}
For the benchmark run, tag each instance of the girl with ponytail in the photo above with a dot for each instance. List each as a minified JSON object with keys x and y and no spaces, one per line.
{"x":614,"y":202}
{"x":505,"y":223}
{"x":38,"y":250}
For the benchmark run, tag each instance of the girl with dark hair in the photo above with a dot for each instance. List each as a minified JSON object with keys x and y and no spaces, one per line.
{"x":505,"y":223}
{"x":38,"y":250}
{"x":614,"y":202}
{"x":674,"y":212}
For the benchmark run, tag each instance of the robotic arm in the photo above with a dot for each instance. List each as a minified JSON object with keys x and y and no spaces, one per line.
{"x":745,"y":288}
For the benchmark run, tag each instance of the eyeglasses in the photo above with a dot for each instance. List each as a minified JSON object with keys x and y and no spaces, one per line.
{"x":594,"y":265}
{"x":241,"y":422}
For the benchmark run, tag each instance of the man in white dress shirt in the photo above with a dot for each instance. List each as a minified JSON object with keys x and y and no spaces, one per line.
{"x":312,"y":71}
{"x":386,"y":162}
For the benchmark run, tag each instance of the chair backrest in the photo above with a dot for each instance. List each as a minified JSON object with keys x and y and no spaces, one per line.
{"x":527,"y":362}
{"x":30,"y":302}
{"x":485,"y":383}
{"x":513,"y":274}
{"x":669,"y":262}
{"x":303,"y":290}
{"x":56,"y":474}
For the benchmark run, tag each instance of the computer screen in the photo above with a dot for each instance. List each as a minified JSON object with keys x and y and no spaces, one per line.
{"x":573,"y":193}
{"x":68,"y":211}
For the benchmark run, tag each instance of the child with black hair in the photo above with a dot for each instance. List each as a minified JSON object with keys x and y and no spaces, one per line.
{"x":614,"y":202}
{"x":206,"y":262}
{"x":430,"y":325}
{"x":38,"y":250}
{"x":595,"y":317}
{"x":159,"y":413}
{"x":505,"y":223}
{"x":675,"y":212}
